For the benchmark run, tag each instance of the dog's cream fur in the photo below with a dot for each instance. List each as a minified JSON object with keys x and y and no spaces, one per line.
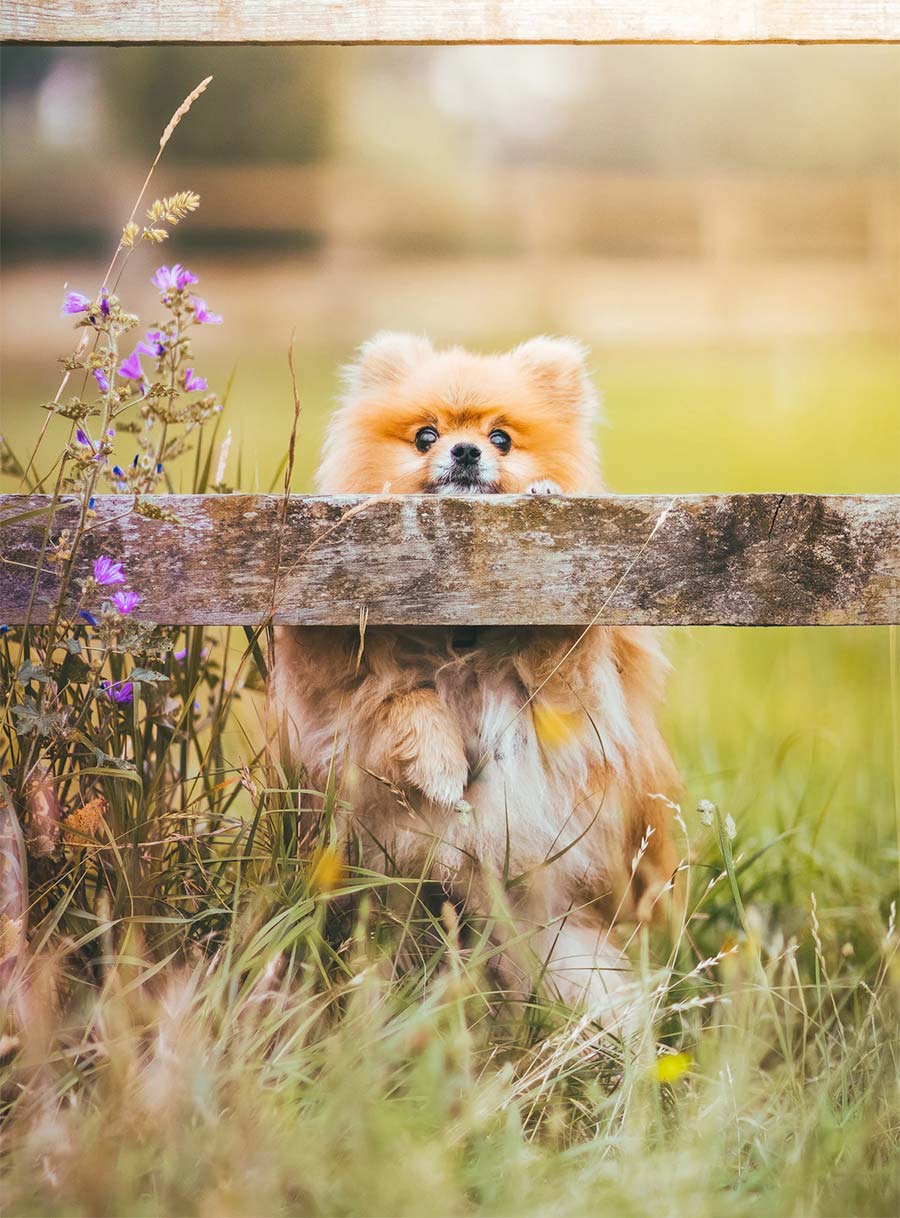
{"x":511,"y":757}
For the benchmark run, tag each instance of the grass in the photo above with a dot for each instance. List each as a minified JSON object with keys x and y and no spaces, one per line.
{"x":214,"y":1022}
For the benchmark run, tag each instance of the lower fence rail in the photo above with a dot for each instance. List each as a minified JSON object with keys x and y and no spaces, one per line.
{"x":748,"y":560}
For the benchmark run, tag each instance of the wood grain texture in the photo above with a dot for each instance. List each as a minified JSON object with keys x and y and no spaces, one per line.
{"x":451,"y":21}
{"x":729,"y":559}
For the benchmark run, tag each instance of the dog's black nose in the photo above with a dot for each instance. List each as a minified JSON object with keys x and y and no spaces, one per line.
{"x":466,"y":454}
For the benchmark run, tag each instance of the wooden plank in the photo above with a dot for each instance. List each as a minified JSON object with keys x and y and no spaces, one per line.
{"x":730,"y":559}
{"x":442,"y":21}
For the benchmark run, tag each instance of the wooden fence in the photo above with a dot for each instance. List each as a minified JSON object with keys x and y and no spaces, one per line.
{"x":548,"y":212}
{"x":450,"y":21}
{"x":245,"y":559}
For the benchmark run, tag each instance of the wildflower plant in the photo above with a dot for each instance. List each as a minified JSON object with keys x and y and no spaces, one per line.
{"x":95,"y":708}
{"x":161,"y":405}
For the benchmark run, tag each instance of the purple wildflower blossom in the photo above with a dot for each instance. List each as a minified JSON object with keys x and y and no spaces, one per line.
{"x":83,"y":438}
{"x":153,"y":344}
{"x":181,"y":654}
{"x":76,"y":302}
{"x":101,"y":379}
{"x":118,"y":471}
{"x":192,"y":383}
{"x":131,"y":368}
{"x":202,"y":314}
{"x":104,"y":303}
{"x":125,"y":602}
{"x":173,"y":278}
{"x":108,"y":572}
{"x":88,"y":617}
{"x":124,"y":692}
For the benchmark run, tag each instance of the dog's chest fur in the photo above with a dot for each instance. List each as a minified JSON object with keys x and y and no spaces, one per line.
{"x":536,"y":789}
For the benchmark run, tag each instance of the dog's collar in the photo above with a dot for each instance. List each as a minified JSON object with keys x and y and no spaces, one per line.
{"x":463,"y":637}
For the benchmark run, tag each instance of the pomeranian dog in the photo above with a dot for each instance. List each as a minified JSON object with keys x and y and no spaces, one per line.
{"x":496,"y":754}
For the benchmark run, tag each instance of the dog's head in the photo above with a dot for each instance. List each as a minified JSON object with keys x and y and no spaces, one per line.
{"x":449,"y":422}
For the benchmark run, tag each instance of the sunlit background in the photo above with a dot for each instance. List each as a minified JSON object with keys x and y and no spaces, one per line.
{"x":719,"y":225}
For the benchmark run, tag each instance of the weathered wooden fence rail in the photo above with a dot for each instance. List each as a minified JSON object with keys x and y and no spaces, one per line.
{"x":239,"y":559}
{"x":450,"y":21}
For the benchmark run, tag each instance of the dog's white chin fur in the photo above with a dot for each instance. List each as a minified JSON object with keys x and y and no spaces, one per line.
{"x":544,"y":486}
{"x":455,"y":488}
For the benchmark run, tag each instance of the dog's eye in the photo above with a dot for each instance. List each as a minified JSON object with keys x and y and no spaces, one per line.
{"x":425,"y":437}
{"x":500,"y":440}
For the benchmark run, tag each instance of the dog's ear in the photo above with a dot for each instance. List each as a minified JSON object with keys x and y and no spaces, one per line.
{"x":385,"y":359}
{"x":556,"y":367}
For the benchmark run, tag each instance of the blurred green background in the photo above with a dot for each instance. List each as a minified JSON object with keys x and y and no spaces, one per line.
{"x":718,"y":224}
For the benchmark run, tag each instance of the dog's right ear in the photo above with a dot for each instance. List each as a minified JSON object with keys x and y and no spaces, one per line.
{"x":557,"y":366}
{"x":386,"y":359}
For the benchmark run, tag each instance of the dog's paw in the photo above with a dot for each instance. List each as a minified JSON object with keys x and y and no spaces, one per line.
{"x":441,"y":779}
{"x":543,"y":486}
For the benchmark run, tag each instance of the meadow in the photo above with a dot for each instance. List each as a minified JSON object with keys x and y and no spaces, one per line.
{"x":215,"y":1019}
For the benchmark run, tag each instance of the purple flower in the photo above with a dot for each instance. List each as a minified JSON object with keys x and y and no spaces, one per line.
{"x":76,"y":302}
{"x":104,"y":303}
{"x":173,"y":278}
{"x":153,"y":344}
{"x":88,"y":617}
{"x":192,"y":383}
{"x":100,"y":378}
{"x":118,"y":471}
{"x":83,"y":438}
{"x":108,"y":572}
{"x":181,"y":655}
{"x":203,"y":316}
{"x":125,"y":602}
{"x":131,"y":368}
{"x":124,"y":692}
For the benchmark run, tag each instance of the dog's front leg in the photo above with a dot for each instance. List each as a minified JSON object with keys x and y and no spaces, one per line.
{"x":574,"y":962}
{"x":423,"y":745}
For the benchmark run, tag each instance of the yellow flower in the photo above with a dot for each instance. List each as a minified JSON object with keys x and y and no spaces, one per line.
{"x":327,"y":871}
{"x":671,"y":1066}
{"x":554,"y":727}
{"x":12,"y":938}
{"x":81,"y":827}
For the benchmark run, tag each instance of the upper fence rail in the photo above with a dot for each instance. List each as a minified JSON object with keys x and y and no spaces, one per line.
{"x":448,"y":21}
{"x":758,"y":560}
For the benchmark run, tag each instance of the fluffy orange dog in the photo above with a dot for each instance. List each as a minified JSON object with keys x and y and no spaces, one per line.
{"x":516,"y":759}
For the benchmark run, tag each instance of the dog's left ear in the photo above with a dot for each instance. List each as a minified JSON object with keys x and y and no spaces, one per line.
{"x":556,"y":366}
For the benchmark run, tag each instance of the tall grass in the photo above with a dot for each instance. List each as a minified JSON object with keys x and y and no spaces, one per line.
{"x":205,"y":1014}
